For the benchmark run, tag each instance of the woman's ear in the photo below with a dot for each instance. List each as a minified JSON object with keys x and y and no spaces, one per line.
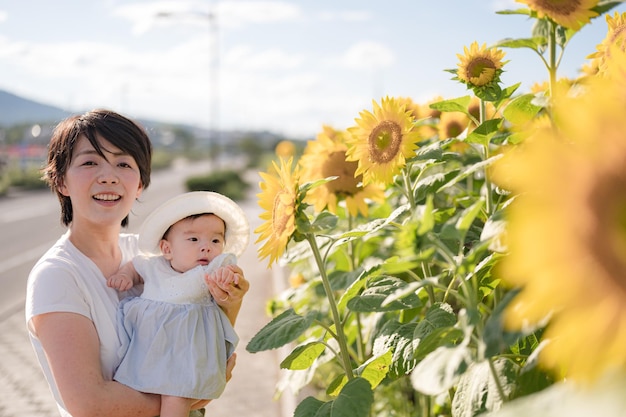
{"x":62,"y":189}
{"x":166,"y":249}
{"x":139,"y":191}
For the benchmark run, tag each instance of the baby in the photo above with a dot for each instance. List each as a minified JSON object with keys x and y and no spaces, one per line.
{"x":175,"y":338}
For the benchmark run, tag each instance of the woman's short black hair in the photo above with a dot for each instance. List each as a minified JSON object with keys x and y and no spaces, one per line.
{"x":122,"y":132}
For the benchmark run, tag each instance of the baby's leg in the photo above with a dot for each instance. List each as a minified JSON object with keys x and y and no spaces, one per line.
{"x":175,"y":406}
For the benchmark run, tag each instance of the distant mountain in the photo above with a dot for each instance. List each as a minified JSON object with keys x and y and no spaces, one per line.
{"x":18,"y":110}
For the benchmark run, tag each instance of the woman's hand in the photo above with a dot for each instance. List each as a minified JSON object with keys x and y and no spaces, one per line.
{"x":228,"y":297}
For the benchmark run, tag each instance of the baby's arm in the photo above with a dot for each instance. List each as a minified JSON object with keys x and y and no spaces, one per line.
{"x":125,"y":278}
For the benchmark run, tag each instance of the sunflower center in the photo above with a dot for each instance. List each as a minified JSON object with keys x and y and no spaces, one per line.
{"x":384,"y":142}
{"x":481,"y":70}
{"x":558,"y":7}
{"x":283,"y":207}
{"x":336,"y":165}
{"x":607,"y":204}
{"x":453,"y":129}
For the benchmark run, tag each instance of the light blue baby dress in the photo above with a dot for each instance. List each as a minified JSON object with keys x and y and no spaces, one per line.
{"x":175,"y":338}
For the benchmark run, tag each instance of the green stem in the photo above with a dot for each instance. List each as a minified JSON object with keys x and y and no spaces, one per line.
{"x":487,"y":154}
{"x":408,"y":189}
{"x":497,"y":379}
{"x":341,"y":337}
{"x":552,"y":58}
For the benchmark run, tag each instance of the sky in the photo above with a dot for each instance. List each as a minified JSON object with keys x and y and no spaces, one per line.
{"x":284,"y":66}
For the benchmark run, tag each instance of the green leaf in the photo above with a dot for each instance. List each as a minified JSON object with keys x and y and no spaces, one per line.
{"x":370,"y":227}
{"x":312,"y":407}
{"x":483,"y":133}
{"x":467,"y":218}
{"x":355,"y":400}
{"x":478,"y":391}
{"x":534,"y":43}
{"x":398,"y":338}
{"x":521,"y":110}
{"x":427,"y":222}
{"x":303,"y":356}
{"x":441,"y":369}
{"x":443,"y":336}
{"x":459,"y":104}
{"x":376,"y":368}
{"x":469,"y":170}
{"x":283,"y":329}
{"x":377,"y":290}
{"x":437,"y":316}
{"x":324,"y":222}
{"x":497,"y":339}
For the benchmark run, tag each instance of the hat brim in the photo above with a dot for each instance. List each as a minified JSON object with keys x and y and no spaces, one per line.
{"x":196,"y":202}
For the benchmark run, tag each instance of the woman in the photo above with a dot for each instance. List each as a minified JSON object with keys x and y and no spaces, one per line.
{"x":98,"y":165}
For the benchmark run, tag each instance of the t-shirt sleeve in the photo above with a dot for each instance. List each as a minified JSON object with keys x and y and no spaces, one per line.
{"x":53,"y":287}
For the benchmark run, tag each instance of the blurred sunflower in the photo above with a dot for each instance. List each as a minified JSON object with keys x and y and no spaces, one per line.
{"x":429,"y":127}
{"x":453,"y":125}
{"x":480,"y":66}
{"x":285,"y":149}
{"x":615,"y":38}
{"x":567,"y":232}
{"x":382,"y":141}
{"x":326,"y":157}
{"x":278,"y":197}
{"x":572,"y":14}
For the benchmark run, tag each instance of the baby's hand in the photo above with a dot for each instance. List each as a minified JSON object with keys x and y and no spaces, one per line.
{"x":120,"y":282}
{"x":224,"y":277}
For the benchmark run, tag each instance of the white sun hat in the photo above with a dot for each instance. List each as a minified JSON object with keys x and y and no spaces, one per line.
{"x":188,"y":204}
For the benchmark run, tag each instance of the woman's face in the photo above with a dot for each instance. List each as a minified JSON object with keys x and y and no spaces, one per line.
{"x":102,"y":190}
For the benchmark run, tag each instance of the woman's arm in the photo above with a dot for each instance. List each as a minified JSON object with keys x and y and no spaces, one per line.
{"x":73,"y":350}
{"x":229,"y":299}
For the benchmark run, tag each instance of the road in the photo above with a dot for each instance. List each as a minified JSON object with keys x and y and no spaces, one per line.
{"x":31,"y":224}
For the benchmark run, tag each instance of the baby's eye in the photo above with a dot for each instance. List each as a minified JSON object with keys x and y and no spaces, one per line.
{"x":217,"y":241}
{"x":193,"y":239}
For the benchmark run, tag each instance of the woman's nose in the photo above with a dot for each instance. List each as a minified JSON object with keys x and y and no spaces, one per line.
{"x":108,"y":175}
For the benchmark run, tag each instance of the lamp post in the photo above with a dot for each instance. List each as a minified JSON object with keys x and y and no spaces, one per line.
{"x":214,"y":134}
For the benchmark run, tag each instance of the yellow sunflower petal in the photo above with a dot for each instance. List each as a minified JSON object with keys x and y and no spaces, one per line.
{"x":278,"y":199}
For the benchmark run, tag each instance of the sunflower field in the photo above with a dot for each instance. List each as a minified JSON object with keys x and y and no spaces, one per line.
{"x":465,"y":256}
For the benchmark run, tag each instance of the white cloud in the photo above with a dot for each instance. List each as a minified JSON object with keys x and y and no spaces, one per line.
{"x":3,"y":15}
{"x":242,"y":13}
{"x":498,"y":5}
{"x":246,"y":58}
{"x":368,"y":55}
{"x":346,"y":16}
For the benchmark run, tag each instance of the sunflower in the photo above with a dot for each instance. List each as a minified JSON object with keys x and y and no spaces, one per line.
{"x":278,"y":197}
{"x":567,"y":232}
{"x":452,"y":125}
{"x":615,"y":38}
{"x":382,"y":141}
{"x":479,"y":66}
{"x":326,"y":157}
{"x":285,"y":149}
{"x":572,"y":14}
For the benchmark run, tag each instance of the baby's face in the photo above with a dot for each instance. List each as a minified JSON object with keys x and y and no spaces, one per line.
{"x":194,"y":241}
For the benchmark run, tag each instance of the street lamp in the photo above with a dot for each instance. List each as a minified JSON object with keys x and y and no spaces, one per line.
{"x":213,"y":139}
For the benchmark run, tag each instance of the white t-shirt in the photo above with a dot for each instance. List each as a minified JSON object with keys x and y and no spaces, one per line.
{"x":65,"y":280}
